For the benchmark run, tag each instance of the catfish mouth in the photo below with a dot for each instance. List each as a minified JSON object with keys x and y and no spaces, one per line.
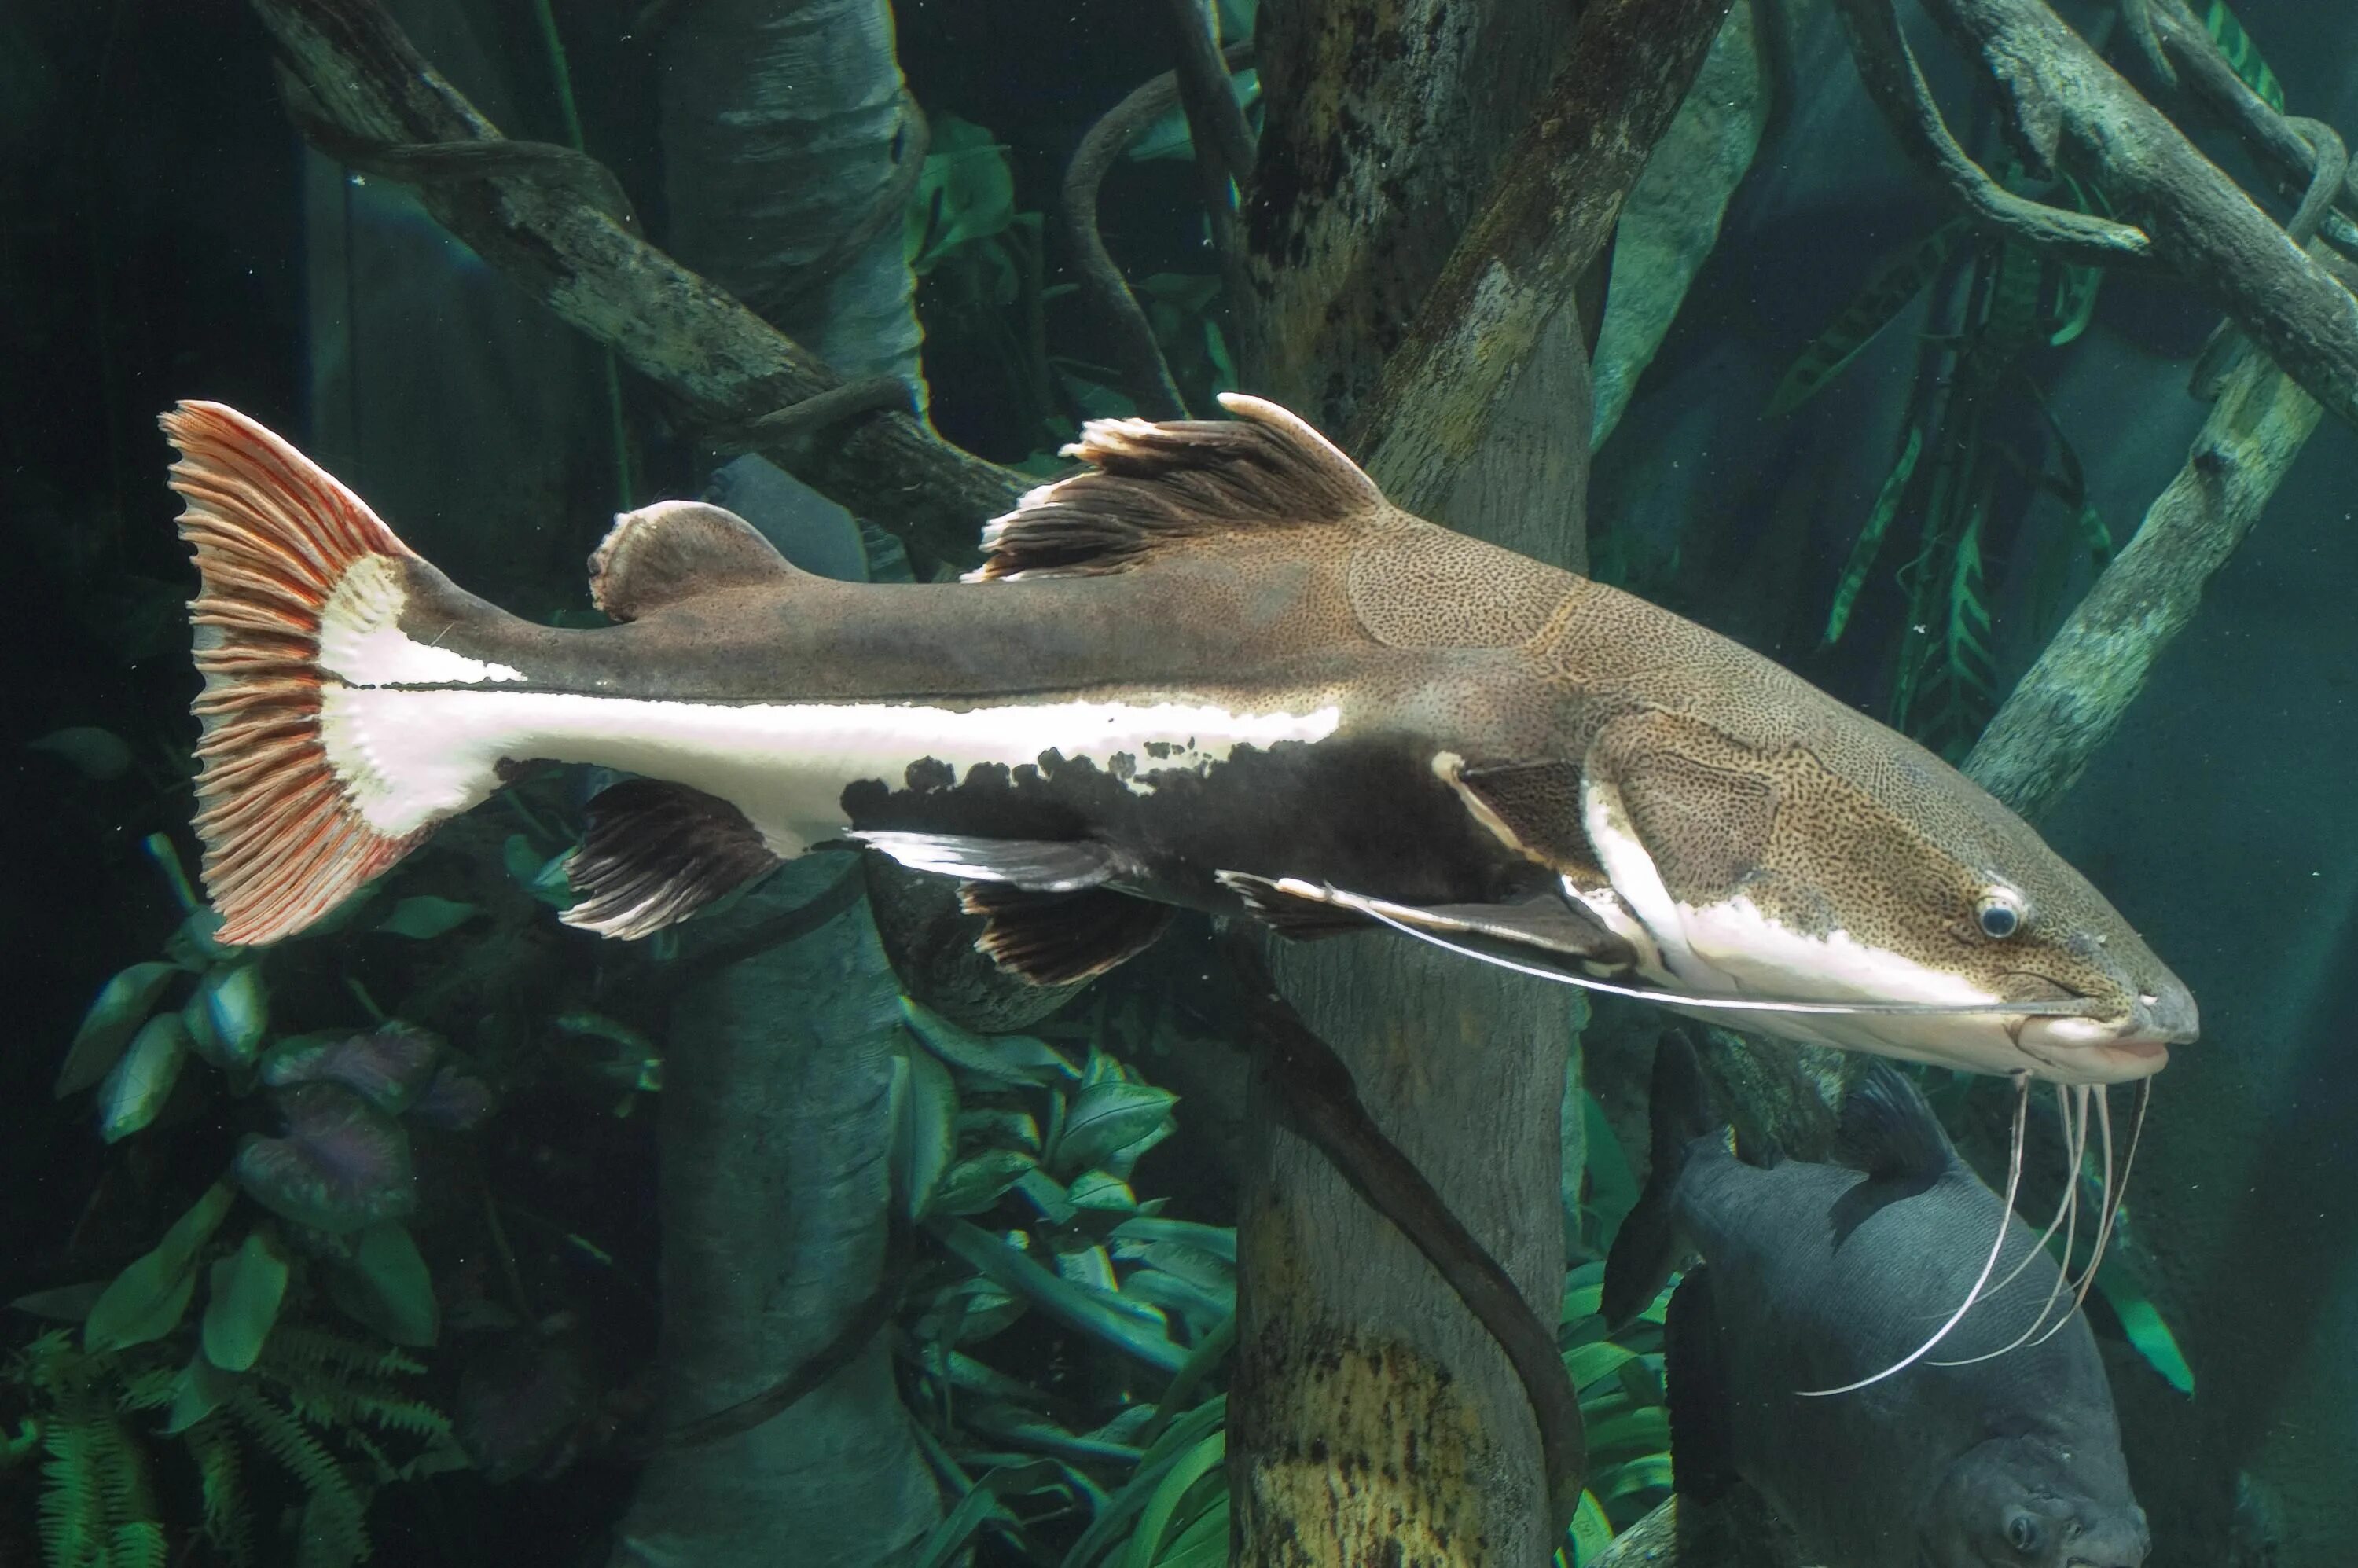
{"x":2095,"y":1049}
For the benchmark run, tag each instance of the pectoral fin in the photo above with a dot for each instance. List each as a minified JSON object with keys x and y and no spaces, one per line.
{"x":1540,"y":930}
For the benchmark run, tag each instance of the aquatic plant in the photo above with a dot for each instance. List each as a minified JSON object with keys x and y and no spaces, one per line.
{"x":329,"y":1412}
{"x":1117,"y":1458}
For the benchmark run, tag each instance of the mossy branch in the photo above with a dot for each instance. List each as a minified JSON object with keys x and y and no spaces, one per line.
{"x":2070,"y":110}
{"x":346,"y":63}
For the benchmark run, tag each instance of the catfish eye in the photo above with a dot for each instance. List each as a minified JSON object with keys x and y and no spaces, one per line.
{"x":1999,"y":913}
{"x":2022,"y":1533}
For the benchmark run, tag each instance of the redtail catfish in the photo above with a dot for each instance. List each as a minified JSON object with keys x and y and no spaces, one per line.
{"x":1218,"y":670}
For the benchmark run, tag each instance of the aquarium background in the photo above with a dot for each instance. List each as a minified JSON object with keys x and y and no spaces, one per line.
{"x":438,"y":1248}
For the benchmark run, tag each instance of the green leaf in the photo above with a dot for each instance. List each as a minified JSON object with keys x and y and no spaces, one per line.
{"x":142,"y":1081}
{"x":201,"y":1389}
{"x":1219,"y":1241}
{"x":1645,"y":1472}
{"x":1061,"y":1299}
{"x":947,"y":1540}
{"x":974,"y":1184}
{"x":1643,"y":1430}
{"x":247,"y":1291}
{"x":965,"y":194}
{"x":1003,"y":1128}
{"x":236,"y":1013}
{"x":66,"y":1303}
{"x":386,"y":1286}
{"x":95,"y":753}
{"x":2243,"y":54}
{"x":121,"y":1005}
{"x":1591,"y":1531}
{"x":1897,"y":282}
{"x":1016,"y":1059}
{"x":146,"y":1300}
{"x":925,"y":1130}
{"x":1864,"y":548}
{"x":424,"y":916}
{"x":1591,"y":1362}
{"x":1105,"y":1117}
{"x":1201,"y":1460}
{"x":2142,"y":1321}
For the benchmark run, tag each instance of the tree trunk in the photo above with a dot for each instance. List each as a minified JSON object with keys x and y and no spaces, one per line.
{"x":787,"y":136}
{"x":775,"y":1107}
{"x":1372,"y":1419}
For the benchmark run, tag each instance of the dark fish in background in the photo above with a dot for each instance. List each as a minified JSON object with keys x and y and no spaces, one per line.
{"x":1817,"y":1276}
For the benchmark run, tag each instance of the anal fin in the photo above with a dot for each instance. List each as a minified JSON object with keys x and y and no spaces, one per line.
{"x":1061,"y":938}
{"x":656,"y":854}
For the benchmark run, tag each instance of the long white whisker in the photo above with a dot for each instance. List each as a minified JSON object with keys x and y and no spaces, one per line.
{"x":1374,"y":910}
{"x":2063,"y":1098}
{"x":2004,"y":1219}
{"x":2115,"y":1193}
{"x":2076,"y":1141}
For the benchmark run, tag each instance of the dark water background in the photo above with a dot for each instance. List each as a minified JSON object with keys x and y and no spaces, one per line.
{"x":165,"y":235}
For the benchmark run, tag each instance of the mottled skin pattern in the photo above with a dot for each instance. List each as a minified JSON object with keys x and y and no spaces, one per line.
{"x":1737,"y":776}
{"x":1817,"y":1276}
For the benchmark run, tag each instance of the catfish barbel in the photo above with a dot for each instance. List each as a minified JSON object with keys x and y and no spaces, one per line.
{"x":1216,"y":670}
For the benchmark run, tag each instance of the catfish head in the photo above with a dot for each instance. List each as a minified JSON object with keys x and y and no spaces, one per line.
{"x":1733,"y":843}
{"x":2022,"y":1502}
{"x":1841,"y":863}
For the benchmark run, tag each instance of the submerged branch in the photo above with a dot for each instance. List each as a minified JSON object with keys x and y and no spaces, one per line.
{"x":1146,"y":377}
{"x":2073,"y":699}
{"x":2072,"y":111}
{"x":1557,"y":196}
{"x":1896,"y":83}
{"x":348,"y":65}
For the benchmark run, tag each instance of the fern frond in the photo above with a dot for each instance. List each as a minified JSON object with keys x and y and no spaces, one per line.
{"x":334,"y":1535}
{"x":122,"y":1463}
{"x":73,"y":1508}
{"x":229,"y":1516}
{"x":151,"y":1390}
{"x":346,"y":1407}
{"x":137,"y":1544}
{"x":297,"y":1347}
{"x":333,"y":1531}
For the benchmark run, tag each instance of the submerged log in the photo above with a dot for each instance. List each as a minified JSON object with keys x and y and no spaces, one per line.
{"x":540,"y":222}
{"x":1372,"y":1417}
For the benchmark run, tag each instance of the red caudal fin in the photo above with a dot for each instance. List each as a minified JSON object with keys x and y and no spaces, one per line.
{"x":277,"y":541}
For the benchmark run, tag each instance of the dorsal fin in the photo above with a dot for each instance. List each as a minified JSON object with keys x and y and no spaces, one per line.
{"x":1153,"y":485}
{"x":1890,"y":1132}
{"x":678,"y":549}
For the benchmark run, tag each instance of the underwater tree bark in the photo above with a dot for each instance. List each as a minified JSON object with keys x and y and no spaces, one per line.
{"x":775,"y":1107}
{"x":543,"y":223}
{"x":1558,"y":193}
{"x":2073,"y":699}
{"x":790,"y":147}
{"x":2072,"y":111}
{"x":1371,"y":1417}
